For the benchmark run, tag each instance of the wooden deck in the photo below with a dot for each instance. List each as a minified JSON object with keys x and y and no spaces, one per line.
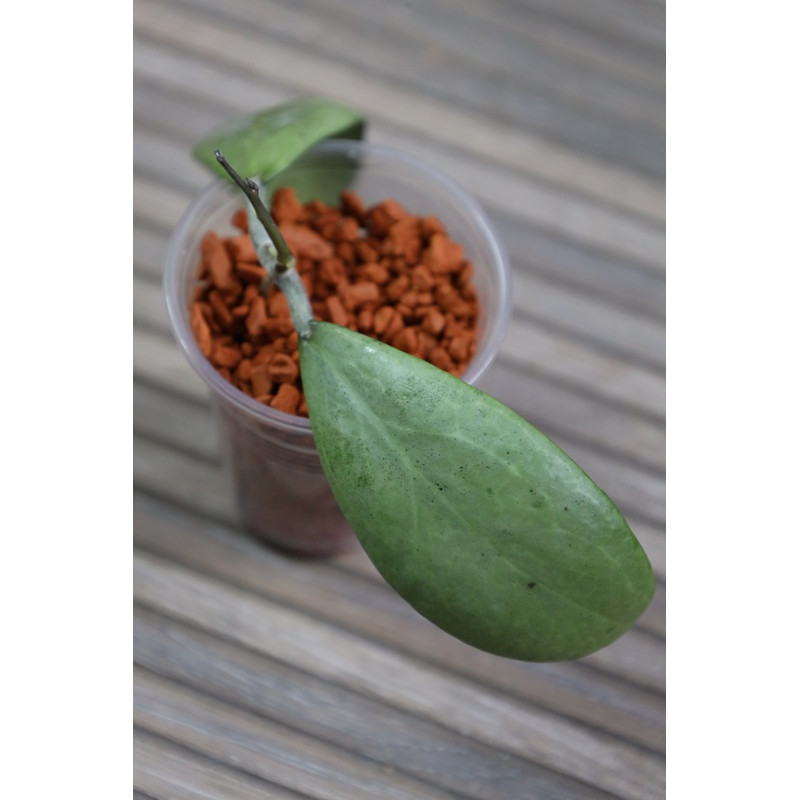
{"x":257,"y":675}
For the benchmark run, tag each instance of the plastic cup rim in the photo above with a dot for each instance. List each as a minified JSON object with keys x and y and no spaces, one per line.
{"x":291,"y":423}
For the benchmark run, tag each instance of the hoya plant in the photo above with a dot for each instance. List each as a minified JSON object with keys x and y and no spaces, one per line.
{"x":478,"y":520}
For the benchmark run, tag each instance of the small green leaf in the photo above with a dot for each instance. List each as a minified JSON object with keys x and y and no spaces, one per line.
{"x":317,"y":177}
{"x":265,"y":143}
{"x":477,"y":519}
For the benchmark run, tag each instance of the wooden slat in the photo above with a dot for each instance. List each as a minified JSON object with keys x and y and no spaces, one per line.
{"x":157,"y":359}
{"x":211,"y":38}
{"x":398,"y":742}
{"x":370,"y":669}
{"x":164,"y":769}
{"x":624,"y":21}
{"x":581,"y":108}
{"x":264,"y":748}
{"x":262,"y":675}
{"x":568,"y":39}
{"x":150,"y":251}
{"x":365,"y":604}
{"x":624,"y":284}
{"x":506,"y":32}
{"x":532,"y":347}
{"x":633,"y":336}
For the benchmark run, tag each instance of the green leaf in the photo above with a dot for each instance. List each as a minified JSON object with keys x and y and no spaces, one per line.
{"x":265,"y":143}
{"x":316,"y":176}
{"x":477,"y":519}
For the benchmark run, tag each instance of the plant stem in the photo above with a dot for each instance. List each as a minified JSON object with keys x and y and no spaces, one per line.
{"x":286,"y":276}
{"x":285,"y":260}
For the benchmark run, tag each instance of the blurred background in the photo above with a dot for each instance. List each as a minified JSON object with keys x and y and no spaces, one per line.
{"x":551,"y":113}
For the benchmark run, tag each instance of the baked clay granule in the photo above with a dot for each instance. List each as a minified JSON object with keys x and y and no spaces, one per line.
{"x":380,"y":270}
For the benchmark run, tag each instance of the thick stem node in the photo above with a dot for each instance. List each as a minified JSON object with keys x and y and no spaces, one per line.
{"x":285,"y":257}
{"x":274,"y":253}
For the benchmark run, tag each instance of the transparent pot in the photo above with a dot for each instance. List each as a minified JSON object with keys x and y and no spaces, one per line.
{"x":282,"y":493}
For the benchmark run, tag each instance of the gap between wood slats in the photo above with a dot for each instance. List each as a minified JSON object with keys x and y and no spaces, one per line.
{"x":165,"y":770}
{"x":566,"y":416}
{"x":337,"y":715}
{"x":623,"y":22}
{"x":639,"y":79}
{"x":373,"y":671}
{"x":635,"y":338}
{"x":571,"y":41}
{"x":523,"y":33}
{"x":531,"y":346}
{"x":263,"y":748}
{"x":160,"y":55}
{"x":497,"y":79}
{"x":622,"y":285}
{"x":581,"y":110}
{"x":365,"y":604}
{"x":399,"y":742}
{"x":621,"y":661}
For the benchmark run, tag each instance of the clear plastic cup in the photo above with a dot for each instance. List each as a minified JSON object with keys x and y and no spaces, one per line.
{"x":282,"y":493}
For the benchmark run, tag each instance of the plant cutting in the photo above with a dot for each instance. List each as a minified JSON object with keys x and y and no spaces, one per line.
{"x":480,"y":522}
{"x":280,"y":491}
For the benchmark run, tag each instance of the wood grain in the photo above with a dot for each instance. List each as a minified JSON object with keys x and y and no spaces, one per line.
{"x":260,"y":675}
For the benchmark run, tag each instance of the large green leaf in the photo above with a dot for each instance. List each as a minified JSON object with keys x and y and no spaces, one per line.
{"x":477,"y":519}
{"x":265,"y":143}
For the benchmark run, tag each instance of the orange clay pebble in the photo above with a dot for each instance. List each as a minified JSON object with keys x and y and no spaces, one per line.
{"x":200,"y":329}
{"x":459,"y":348}
{"x":261,"y":380}
{"x":239,"y":220}
{"x":434,"y":322}
{"x":336,"y":311}
{"x":282,"y":369}
{"x":218,"y":263}
{"x":241,"y":248}
{"x":356,"y":295}
{"x":286,"y":207}
{"x":379,"y":270}
{"x":406,"y":340}
{"x":250,"y":273}
{"x":287,"y":398}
